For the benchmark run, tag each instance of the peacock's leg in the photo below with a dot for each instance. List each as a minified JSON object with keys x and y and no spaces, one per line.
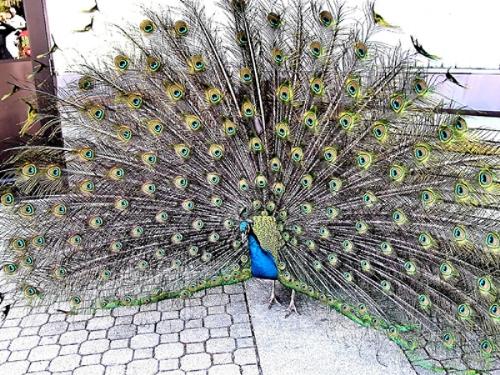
{"x":291,"y":307}
{"x":272,"y":298}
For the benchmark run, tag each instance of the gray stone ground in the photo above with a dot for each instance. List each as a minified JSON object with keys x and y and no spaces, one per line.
{"x":222,"y":331}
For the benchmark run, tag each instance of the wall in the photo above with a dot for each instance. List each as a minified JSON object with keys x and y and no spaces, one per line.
{"x":458,"y":32}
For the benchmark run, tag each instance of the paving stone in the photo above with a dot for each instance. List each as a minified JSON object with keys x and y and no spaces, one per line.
{"x":53,"y":328}
{"x":19,"y":355}
{"x":215,"y":300}
{"x":14,"y":368}
{"x":250,"y":370}
{"x":193,"y":312}
{"x":79,"y":318}
{"x":4,"y":344}
{"x":237,"y":308}
{"x":169,"y":364}
{"x":90,"y":370}
{"x":117,"y":356}
{"x":245,"y":356}
{"x":192,"y":302}
{"x":198,"y":361}
{"x":169,"y":337}
{"x":166,"y":315}
{"x":92,"y":359}
{"x":48,"y":340}
{"x":94,"y":346}
{"x":197,"y":347}
{"x":224,"y":370}
{"x":18,"y":312}
{"x":216,"y":310}
{"x":4,"y":354}
{"x":222,"y":358}
{"x":117,"y":344}
{"x":148,"y":317}
{"x":199,"y":293}
{"x":39,"y":366}
{"x":221,"y":345}
{"x":24,"y":343}
{"x":170,"y":305}
{"x":149,"y":307}
{"x":65,"y":363}
{"x":69,"y":349}
{"x":167,"y":351}
{"x":73,"y":337}
{"x":194,"y":335}
{"x":217,"y":321}
{"x":100,"y":323}
{"x":146,"y":328}
{"x":219,"y":332}
{"x":143,"y":353}
{"x":94,"y":335}
{"x":34,"y":320}
{"x":174,"y":372}
{"x":122,"y":331}
{"x":193,"y":323}
{"x":30,"y":331}
{"x":124,"y":320}
{"x":9,"y":333}
{"x":245,"y":342}
{"x":147,"y":340}
{"x":102,"y":312}
{"x":142,"y":367}
{"x":11,"y":323}
{"x":77,"y":326}
{"x":170,"y":326}
{"x":237,"y":298}
{"x":234,"y":289}
{"x":199,"y":372}
{"x":115,"y":370}
{"x":215,"y":290}
{"x":124,"y":311}
{"x":241,"y":330}
{"x":46,"y":352}
{"x":240,"y":318}
{"x":57,"y":317}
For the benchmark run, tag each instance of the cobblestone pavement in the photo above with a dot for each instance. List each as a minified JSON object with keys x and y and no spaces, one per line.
{"x":221,"y":331}
{"x":210,"y":334}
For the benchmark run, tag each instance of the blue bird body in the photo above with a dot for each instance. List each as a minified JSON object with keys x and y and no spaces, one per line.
{"x":262,"y":262}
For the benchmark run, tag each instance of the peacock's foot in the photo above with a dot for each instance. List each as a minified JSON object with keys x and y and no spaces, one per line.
{"x":272,"y":299}
{"x":291,"y":307}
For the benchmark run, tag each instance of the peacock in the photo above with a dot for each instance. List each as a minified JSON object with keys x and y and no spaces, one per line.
{"x":290,"y":145}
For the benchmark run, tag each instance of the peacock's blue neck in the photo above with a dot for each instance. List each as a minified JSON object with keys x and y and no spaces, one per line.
{"x":263,"y":264}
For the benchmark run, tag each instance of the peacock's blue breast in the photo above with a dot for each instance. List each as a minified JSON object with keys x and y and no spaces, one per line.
{"x":263,"y":264}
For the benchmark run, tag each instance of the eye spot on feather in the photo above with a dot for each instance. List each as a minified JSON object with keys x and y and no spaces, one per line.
{"x":360,"y":50}
{"x":274,"y":20}
{"x":147,"y":27}
{"x":122,"y":63}
{"x":326,"y":19}
{"x":86,"y":83}
{"x":181,"y":28}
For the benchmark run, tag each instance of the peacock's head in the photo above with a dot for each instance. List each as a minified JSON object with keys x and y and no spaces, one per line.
{"x":244,"y":226}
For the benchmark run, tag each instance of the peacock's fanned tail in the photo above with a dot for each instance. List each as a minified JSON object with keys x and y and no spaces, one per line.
{"x":388,"y":207}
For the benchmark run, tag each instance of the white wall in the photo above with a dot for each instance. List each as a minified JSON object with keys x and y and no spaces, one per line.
{"x":463,"y":32}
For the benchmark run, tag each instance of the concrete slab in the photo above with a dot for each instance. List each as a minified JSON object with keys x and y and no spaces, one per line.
{"x":318,"y":341}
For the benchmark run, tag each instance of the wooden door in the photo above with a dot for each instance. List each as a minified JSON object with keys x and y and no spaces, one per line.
{"x":13,"y":110}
